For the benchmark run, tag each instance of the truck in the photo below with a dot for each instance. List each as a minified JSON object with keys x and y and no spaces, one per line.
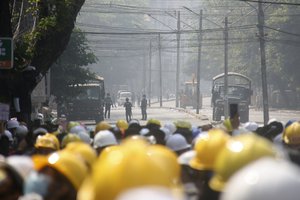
{"x":188,"y":97}
{"x":88,"y":104}
{"x":239,"y":93}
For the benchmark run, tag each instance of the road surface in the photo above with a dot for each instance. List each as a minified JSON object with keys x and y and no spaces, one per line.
{"x":168,"y":113}
{"x":165,"y":114}
{"x":255,"y":115}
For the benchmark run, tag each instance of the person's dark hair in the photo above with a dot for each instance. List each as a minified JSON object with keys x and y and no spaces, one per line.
{"x":15,"y":176}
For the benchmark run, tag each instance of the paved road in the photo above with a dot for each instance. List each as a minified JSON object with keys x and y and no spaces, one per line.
{"x":255,"y":115}
{"x":169,"y":114}
{"x":164,"y":114}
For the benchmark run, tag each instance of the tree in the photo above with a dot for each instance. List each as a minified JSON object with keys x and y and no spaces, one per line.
{"x":69,"y":70}
{"x":40,"y":47}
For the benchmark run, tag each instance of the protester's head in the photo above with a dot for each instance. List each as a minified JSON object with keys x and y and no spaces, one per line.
{"x":63,"y":173}
{"x":178,"y":144}
{"x":291,"y":136}
{"x":238,"y":152}
{"x":104,"y":139}
{"x":103,"y":125}
{"x":46,"y":144}
{"x":11,"y":182}
{"x":265,"y":179}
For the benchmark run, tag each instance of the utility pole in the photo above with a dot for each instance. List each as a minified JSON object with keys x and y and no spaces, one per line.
{"x":160,"y":71}
{"x":199,"y":61}
{"x":144,"y":73}
{"x":178,"y":60}
{"x":226,"y":110}
{"x":261,"y":23}
{"x":150,"y":73}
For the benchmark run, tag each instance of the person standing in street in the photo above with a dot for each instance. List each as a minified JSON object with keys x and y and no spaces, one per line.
{"x":144,"y":107}
{"x":128,"y":111}
{"x":107,"y":104}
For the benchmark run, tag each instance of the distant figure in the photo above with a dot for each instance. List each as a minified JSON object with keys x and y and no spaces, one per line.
{"x":138,"y":99}
{"x":128,"y":111}
{"x":113,"y":98}
{"x":133,"y":99}
{"x":144,"y":107}
{"x":107,"y":103}
{"x":258,"y":101}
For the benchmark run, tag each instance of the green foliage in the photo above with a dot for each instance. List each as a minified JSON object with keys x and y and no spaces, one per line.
{"x":69,"y":69}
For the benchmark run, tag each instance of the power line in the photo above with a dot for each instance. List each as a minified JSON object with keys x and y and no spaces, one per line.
{"x":281,"y":31}
{"x":171,"y":32}
{"x":273,"y":2}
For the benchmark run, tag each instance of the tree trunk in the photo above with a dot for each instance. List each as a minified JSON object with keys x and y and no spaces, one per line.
{"x":19,"y":85}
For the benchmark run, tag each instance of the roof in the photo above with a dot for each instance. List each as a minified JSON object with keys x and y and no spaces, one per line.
{"x":231,"y":74}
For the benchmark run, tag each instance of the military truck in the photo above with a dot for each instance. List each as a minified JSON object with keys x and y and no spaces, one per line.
{"x":88,"y":105}
{"x":239,"y":92}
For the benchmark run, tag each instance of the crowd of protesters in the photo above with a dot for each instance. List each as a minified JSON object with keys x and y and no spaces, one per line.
{"x":171,"y":161}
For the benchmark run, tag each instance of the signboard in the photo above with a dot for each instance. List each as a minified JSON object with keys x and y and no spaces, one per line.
{"x":6,"y":53}
{"x":4,"y":112}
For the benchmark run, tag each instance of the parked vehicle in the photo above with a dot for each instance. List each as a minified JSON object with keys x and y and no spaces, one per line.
{"x":189,"y":96}
{"x":88,"y":105}
{"x":122,"y":97}
{"x":239,"y":92}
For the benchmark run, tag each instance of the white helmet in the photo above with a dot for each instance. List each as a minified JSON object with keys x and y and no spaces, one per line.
{"x":104,"y":138}
{"x":147,"y":193}
{"x":22,"y":131}
{"x":84,"y":137}
{"x":251,"y":126}
{"x":12,"y":124}
{"x":77,"y":129}
{"x":144,"y":131}
{"x":186,"y":157}
{"x":177,"y":142}
{"x":22,"y":164}
{"x":171,"y":126}
{"x":9,"y":135}
{"x":265,"y":179}
{"x":166,"y":131}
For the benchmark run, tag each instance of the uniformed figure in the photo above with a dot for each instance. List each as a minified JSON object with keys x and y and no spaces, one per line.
{"x":144,"y":107}
{"x":128,"y":111}
{"x":107,"y":104}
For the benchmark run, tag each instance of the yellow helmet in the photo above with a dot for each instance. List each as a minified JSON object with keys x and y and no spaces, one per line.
{"x":227,"y":125}
{"x":122,"y":124}
{"x":131,"y":164}
{"x":291,"y":134}
{"x":167,"y":160}
{"x":68,"y":164}
{"x":208,"y":147}
{"x":237,"y":153}
{"x":85,"y":151}
{"x":107,"y":150}
{"x":47,"y":141}
{"x":103,"y":125}
{"x":70,"y":137}
{"x":183,"y":124}
{"x":153,"y":121}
